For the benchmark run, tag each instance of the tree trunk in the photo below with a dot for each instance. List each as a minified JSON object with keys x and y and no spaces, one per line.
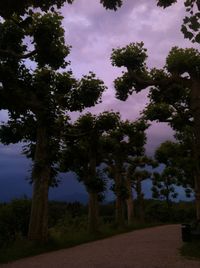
{"x":195,"y":107}
{"x":167,"y":196}
{"x":129,"y":202}
{"x":38,"y":226}
{"x":93,"y":213}
{"x":120,"y":220}
{"x":140,"y":199}
{"x":197,"y":196}
{"x":120,"y":211}
{"x":93,"y":195}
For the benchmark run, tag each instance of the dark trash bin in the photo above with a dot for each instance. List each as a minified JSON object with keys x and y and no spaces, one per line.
{"x":186,"y":232}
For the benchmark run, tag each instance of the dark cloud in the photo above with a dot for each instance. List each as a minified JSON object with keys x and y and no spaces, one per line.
{"x":15,"y":174}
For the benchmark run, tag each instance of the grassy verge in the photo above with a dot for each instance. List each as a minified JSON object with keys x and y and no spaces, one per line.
{"x":191,"y":249}
{"x":59,"y":240}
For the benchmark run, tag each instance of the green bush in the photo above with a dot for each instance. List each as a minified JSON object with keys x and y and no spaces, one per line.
{"x":157,"y":212}
{"x":70,"y":224}
{"x":184,"y":212}
{"x":14,"y":220}
{"x":59,"y":210}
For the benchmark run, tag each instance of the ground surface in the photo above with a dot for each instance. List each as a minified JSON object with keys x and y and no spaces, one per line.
{"x":156,"y":247}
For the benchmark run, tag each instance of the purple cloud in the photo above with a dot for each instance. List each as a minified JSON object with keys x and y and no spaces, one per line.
{"x":93,"y":32}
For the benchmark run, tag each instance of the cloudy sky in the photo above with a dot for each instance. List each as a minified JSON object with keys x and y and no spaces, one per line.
{"x":93,"y":32}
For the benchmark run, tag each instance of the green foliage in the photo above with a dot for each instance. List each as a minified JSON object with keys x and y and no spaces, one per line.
{"x":168,"y":83}
{"x":16,"y":130}
{"x":191,"y":250}
{"x":124,"y":86}
{"x":180,"y":61}
{"x":8,"y":8}
{"x":164,"y":185}
{"x":165,"y":3}
{"x":88,"y":92}
{"x":166,"y":152}
{"x":161,"y":112}
{"x":126,"y":140}
{"x":14,"y":219}
{"x":158,"y":212}
{"x":179,"y":212}
{"x":69,"y":224}
{"x":49,"y":40}
{"x":179,"y":169}
{"x":11,"y":36}
{"x":120,"y":189}
{"x":107,"y":121}
{"x":23,"y":248}
{"x":132,"y":56}
{"x":191,"y":22}
{"x":83,"y":153}
{"x":140,"y":175}
{"x":96,"y":184}
{"x":170,"y":101}
{"x":111,"y":4}
{"x":122,"y":147}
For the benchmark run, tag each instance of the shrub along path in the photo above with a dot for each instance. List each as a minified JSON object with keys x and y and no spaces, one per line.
{"x":156,"y":247}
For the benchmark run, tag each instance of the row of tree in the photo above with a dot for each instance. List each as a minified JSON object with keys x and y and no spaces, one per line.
{"x":98,"y":147}
{"x":42,"y":96}
{"x":174,"y":98}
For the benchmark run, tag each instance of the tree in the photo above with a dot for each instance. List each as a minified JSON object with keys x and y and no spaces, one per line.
{"x":54,"y":94}
{"x":9,"y":8}
{"x":26,"y":92}
{"x":123,"y":144}
{"x":171,"y":104}
{"x":179,"y":168}
{"x":164,"y":186}
{"x":181,"y":71}
{"x":164,"y":182}
{"x":45,"y":94}
{"x":138,"y":177}
{"x":136,"y":173}
{"x":191,"y":22}
{"x":82,"y":153}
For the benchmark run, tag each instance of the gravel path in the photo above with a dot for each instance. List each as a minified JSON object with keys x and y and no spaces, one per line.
{"x":156,"y":247}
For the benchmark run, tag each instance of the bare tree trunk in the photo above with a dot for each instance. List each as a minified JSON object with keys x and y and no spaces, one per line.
{"x":167,"y":196}
{"x":140,"y":198}
{"x":93,"y":213}
{"x":93,"y":196}
{"x":130,"y":202}
{"x":38,"y":226}
{"x":119,"y":201}
{"x":195,"y":107}
{"x":197,"y":197}
{"x":119,"y":211}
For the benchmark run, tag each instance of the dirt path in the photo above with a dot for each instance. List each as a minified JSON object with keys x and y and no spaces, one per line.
{"x":156,"y":247}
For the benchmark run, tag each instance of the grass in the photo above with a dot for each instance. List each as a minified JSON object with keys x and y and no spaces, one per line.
{"x":58,"y":240}
{"x":191,"y":249}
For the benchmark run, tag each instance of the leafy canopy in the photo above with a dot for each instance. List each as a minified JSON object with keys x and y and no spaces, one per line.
{"x":191,"y":22}
{"x":22,"y":7}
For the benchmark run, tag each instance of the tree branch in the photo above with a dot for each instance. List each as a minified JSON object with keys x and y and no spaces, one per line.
{"x":7,"y":52}
{"x":144,"y":83}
